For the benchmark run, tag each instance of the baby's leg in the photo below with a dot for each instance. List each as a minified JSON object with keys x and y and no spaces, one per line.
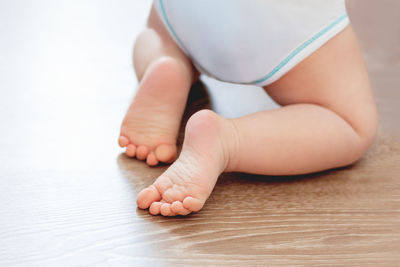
{"x":328,"y":120}
{"x":150,"y":127}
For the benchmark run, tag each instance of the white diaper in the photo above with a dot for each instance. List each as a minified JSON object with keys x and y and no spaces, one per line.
{"x":251,"y":41}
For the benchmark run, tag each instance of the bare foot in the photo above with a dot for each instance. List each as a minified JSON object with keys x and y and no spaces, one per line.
{"x":186,"y":185}
{"x":150,"y":127}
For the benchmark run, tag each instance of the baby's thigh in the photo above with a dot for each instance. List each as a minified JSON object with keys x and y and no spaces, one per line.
{"x":335,"y":77}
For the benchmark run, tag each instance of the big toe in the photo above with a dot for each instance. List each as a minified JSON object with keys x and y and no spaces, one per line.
{"x":166,"y":153}
{"x":147,"y":196}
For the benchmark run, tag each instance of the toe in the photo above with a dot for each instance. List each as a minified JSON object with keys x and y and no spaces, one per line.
{"x":142,"y":152}
{"x":178,"y":208}
{"x":151,"y":159}
{"x":155,"y":208}
{"x":148,"y":196}
{"x":193,"y":204}
{"x":166,"y":210}
{"x":166,"y":153}
{"x":130,"y":150}
{"x":123,"y":141}
{"x":173,"y":194}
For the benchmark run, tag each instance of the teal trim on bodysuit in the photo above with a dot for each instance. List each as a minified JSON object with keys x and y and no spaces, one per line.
{"x":299,"y":49}
{"x":280,"y":65}
{"x":171,"y":29}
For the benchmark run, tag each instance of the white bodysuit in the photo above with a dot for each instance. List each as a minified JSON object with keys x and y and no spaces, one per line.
{"x":251,"y":41}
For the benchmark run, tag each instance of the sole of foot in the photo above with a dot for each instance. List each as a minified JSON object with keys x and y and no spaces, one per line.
{"x":151,"y":124}
{"x":186,"y":185}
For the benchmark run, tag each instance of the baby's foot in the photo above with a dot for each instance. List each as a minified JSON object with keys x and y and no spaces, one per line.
{"x":150,"y":127}
{"x":186,"y":185}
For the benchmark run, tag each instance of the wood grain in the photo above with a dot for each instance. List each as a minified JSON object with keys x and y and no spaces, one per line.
{"x":67,"y":194}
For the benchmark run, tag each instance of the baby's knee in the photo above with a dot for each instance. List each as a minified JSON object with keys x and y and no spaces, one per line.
{"x":148,"y":38}
{"x":147,"y":48}
{"x":369,"y":127}
{"x":366,"y":127}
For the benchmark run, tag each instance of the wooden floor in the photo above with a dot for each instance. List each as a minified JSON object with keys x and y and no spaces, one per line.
{"x":67,"y":194}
